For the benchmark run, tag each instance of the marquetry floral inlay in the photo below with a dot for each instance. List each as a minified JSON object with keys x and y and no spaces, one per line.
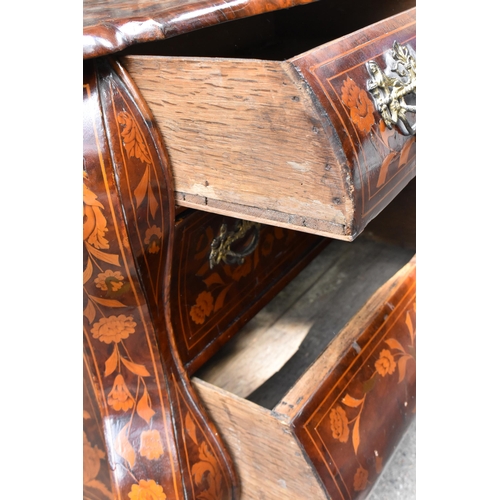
{"x":92,"y":456}
{"x":120,"y":397}
{"x":203,"y":307}
{"x":133,"y":140}
{"x":151,"y":446}
{"x":113,"y":328}
{"x":206,"y":470}
{"x":385,"y":364}
{"x":109,"y":280}
{"x":128,"y":394}
{"x":152,"y":239}
{"x":136,"y":147}
{"x":94,"y":222}
{"x":345,"y":422}
{"x":147,"y":490}
{"x":207,"y":475}
{"x":339,"y":424}
{"x":360,"y":479}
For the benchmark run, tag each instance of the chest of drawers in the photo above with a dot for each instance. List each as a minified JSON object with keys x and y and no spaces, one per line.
{"x":217,"y":164}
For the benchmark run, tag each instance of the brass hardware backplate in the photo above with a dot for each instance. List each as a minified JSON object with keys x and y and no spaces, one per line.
{"x":389,"y":88}
{"x":221,"y":244}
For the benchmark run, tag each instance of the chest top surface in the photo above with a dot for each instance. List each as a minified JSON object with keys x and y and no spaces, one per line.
{"x":111,"y":26}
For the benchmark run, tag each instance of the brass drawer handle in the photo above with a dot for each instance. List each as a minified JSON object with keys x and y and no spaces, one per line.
{"x":390,"y":88}
{"x":221,"y":244}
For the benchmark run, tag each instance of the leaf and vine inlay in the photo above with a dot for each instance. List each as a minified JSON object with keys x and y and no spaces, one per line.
{"x":94,"y":222}
{"x":129,"y":392}
{"x":136,"y":147}
{"x":387,"y":362}
{"x":360,"y":479}
{"x":390,"y":359}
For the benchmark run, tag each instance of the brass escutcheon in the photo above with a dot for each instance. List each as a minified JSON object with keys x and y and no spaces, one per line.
{"x":221,"y":244}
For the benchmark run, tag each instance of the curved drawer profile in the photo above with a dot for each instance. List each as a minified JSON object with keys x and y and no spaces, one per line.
{"x":321,"y":142}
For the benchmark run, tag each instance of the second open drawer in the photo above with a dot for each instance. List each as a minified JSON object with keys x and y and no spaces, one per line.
{"x":320,"y":142}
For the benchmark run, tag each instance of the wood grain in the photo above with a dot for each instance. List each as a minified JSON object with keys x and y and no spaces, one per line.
{"x":267,"y":457}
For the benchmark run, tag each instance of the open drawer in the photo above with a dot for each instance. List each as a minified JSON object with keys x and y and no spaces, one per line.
{"x":310,"y":408}
{"x":320,"y":142}
{"x":218,"y":291}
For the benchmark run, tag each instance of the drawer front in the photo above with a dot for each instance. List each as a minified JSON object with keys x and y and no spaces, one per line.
{"x":320,"y":143}
{"x":356,"y":416}
{"x":209,"y":304}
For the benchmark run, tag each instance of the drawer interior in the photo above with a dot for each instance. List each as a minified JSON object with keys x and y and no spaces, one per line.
{"x":268,"y":356}
{"x":277,"y":35}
